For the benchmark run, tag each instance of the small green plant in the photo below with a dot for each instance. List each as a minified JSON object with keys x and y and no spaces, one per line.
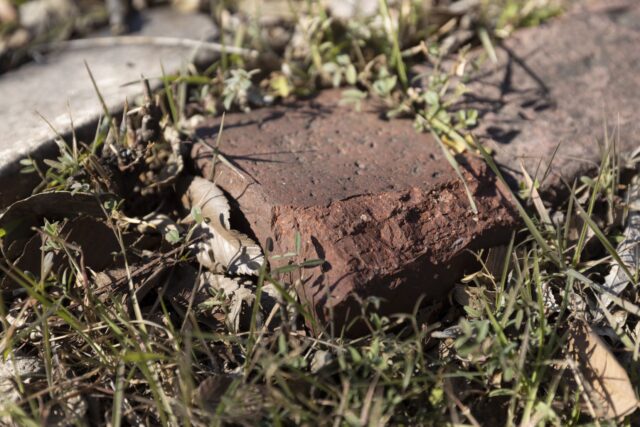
{"x":237,"y":88}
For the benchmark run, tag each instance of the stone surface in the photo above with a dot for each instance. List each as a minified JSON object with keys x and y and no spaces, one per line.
{"x":60,"y":79}
{"x":558,"y":84}
{"x":375,"y":199}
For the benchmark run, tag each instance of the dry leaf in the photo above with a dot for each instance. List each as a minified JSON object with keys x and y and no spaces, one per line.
{"x":159,"y":223}
{"x":617,"y":280}
{"x":239,"y":316}
{"x":221,"y":282}
{"x":241,"y":293}
{"x":219,"y":247}
{"x":535,"y":197}
{"x":607,"y":383}
{"x":230,"y":249}
{"x":109,"y":277}
{"x":271,"y":293}
{"x":206,"y":196}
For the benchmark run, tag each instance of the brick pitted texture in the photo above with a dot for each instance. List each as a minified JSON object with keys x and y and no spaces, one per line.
{"x":374,"y":198}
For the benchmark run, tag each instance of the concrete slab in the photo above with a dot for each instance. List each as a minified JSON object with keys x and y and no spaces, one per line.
{"x":59,"y":83}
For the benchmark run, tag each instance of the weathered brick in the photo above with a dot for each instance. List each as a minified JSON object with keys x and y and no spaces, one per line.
{"x":374,"y":198}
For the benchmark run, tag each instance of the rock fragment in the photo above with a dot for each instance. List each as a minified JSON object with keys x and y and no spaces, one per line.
{"x":560,"y":85}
